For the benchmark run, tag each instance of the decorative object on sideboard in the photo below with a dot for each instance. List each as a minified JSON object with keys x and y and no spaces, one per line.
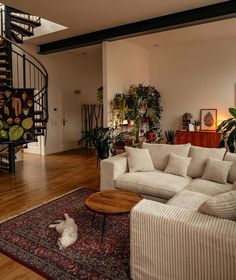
{"x":228,"y":130}
{"x":170,"y":136}
{"x":186,"y":120}
{"x":208,"y":119}
{"x":196,"y":124}
{"x":191,"y":127}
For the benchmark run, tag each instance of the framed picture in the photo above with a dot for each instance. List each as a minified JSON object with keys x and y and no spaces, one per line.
{"x":208,"y":119}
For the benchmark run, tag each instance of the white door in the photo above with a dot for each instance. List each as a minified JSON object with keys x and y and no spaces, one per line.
{"x":71,"y":120}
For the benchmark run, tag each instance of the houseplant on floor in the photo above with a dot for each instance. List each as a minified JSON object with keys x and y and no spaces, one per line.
{"x":102,"y":138}
{"x":228,"y":130}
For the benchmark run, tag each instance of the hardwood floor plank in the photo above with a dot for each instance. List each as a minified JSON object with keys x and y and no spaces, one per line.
{"x":39,"y":179}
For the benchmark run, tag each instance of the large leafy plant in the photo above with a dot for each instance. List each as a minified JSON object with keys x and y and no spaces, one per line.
{"x":228,"y":130}
{"x":101,"y":138}
{"x":141,"y":103}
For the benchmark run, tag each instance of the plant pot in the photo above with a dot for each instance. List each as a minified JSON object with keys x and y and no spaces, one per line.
{"x":103,"y":151}
{"x":197,"y":128}
{"x":150,"y":135}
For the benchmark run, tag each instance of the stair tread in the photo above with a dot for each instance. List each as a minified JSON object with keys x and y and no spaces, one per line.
{"x":16,"y":38}
{"x":5,"y":78}
{"x":39,"y":120}
{"x":38,"y":112}
{"x":39,"y":133}
{"x":21,"y":29}
{"x":5,"y":86}
{"x":24,"y":20}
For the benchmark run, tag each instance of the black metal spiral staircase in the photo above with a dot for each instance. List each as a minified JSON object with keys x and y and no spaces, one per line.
{"x":23,"y":85}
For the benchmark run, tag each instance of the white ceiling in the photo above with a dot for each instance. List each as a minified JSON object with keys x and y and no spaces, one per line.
{"x":83,"y":16}
{"x":209,"y":31}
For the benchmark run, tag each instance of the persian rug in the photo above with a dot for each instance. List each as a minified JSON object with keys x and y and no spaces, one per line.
{"x":28,"y":240}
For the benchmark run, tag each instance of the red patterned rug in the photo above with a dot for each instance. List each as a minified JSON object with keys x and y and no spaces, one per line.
{"x":28,"y":240}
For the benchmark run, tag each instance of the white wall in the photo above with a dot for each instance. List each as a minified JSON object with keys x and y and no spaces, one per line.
{"x":194,"y":76}
{"x":124,"y":64}
{"x":68,"y":72}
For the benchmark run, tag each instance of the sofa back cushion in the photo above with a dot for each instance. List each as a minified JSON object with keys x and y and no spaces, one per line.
{"x":232,"y":172}
{"x":199,"y":157}
{"x":160,"y":153}
{"x":222,"y":205}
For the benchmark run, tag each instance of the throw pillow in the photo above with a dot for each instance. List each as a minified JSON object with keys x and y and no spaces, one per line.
{"x":222,"y":205}
{"x":199,"y":157}
{"x":178,"y":165}
{"x":232,"y":172}
{"x":160,"y":153}
{"x":139,"y":159}
{"x":217,"y":170}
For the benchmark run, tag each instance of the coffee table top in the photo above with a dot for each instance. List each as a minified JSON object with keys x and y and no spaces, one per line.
{"x":112,"y":202}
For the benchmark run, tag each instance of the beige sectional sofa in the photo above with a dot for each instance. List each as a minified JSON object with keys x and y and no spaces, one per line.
{"x":158,"y":185}
{"x":170,"y":238}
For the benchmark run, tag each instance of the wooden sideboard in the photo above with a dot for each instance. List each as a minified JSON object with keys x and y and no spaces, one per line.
{"x":207,"y":139}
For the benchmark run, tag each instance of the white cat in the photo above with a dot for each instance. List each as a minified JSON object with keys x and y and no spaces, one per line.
{"x":68,"y":230}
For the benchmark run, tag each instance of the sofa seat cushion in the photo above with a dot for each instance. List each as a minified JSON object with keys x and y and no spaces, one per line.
{"x":208,"y":187}
{"x":155,"y":183}
{"x":188,"y":199}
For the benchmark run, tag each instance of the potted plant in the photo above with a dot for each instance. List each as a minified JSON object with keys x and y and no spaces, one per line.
{"x":197,"y":125}
{"x":170,"y":136}
{"x":100,"y":95}
{"x":101,"y":138}
{"x":228,"y":130}
{"x":187,"y":118}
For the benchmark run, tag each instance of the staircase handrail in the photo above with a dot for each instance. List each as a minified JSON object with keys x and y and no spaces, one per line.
{"x":29,"y":54}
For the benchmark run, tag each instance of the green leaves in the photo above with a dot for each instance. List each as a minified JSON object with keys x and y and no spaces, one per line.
{"x":27,"y":123}
{"x":233,"y":112}
{"x":15,"y":132}
{"x":3,"y":124}
{"x":228,"y":129}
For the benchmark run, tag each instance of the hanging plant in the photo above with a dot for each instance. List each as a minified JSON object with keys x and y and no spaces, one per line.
{"x":142,"y":104}
{"x":100,"y":95}
{"x":118,"y":108}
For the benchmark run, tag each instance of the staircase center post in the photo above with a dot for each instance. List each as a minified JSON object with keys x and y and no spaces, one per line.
{"x":24,"y":72}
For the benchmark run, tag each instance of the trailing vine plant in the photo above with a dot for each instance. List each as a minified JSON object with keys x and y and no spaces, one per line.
{"x":141,"y":104}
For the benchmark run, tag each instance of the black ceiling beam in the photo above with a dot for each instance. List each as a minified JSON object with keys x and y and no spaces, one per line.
{"x":192,"y":17}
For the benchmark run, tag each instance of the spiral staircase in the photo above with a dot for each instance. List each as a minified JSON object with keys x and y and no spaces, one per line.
{"x":23,"y":86}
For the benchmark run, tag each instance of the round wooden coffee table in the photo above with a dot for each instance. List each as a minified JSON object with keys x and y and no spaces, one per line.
{"x":111,"y":202}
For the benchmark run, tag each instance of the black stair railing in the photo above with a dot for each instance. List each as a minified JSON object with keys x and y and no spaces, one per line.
{"x":29,"y":72}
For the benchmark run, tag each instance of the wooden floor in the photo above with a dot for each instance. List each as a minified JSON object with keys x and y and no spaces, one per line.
{"x":37,"y":180}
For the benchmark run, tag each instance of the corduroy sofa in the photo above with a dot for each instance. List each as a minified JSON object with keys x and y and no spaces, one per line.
{"x":170,"y":239}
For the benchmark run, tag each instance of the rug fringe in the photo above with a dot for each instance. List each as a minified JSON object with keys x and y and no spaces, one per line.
{"x":41,"y":204}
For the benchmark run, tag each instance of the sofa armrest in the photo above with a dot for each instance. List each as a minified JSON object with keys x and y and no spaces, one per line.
{"x":111,"y":168}
{"x":168,"y":242}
